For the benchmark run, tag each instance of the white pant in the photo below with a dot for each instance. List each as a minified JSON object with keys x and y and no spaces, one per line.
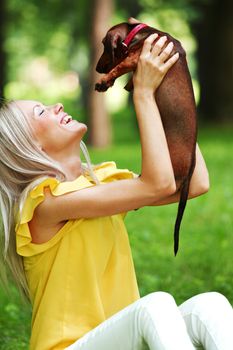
{"x":155,"y":322}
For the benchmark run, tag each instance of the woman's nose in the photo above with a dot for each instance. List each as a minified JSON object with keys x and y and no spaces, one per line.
{"x":58,"y":108}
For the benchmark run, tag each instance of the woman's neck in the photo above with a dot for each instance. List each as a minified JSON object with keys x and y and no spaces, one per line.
{"x":70,"y":163}
{"x":72,"y":167}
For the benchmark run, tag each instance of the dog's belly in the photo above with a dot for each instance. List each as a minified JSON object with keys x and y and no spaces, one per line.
{"x":178,"y":113}
{"x":181,"y":158}
{"x":181,"y":146}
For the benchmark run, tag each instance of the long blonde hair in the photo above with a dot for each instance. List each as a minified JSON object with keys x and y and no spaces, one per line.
{"x":22,"y":166}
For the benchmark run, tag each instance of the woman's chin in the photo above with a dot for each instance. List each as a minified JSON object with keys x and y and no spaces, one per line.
{"x":75,"y":126}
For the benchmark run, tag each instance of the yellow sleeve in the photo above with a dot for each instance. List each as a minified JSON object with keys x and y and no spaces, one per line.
{"x":108,"y":171}
{"x":24,"y":244}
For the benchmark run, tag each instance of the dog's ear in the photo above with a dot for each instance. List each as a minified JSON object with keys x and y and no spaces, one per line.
{"x":120,"y":50}
{"x":109,"y":47}
{"x":132,"y":20}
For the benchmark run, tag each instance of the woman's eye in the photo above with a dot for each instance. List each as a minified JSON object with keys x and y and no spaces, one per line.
{"x":39,"y":111}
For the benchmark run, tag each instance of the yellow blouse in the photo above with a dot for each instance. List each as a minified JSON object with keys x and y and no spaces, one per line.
{"x":81,"y":276}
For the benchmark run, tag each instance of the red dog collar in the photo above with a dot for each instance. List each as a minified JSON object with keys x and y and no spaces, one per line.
{"x":132,"y":33}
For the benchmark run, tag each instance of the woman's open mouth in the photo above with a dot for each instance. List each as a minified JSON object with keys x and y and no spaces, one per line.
{"x":66,"y":119}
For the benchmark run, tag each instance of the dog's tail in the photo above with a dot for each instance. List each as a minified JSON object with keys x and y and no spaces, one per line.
{"x":184,"y":190}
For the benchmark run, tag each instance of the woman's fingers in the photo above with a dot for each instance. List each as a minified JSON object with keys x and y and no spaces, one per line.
{"x":147,"y":44}
{"x":154,"y":62}
{"x":166,"y":52}
{"x":169,"y":63}
{"x":162,"y":56}
{"x":157,"y":49}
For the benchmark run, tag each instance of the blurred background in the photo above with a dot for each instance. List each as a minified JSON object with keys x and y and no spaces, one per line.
{"x":48,"y":52}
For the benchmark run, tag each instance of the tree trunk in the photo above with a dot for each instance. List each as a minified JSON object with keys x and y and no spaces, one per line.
{"x":2,"y":52}
{"x":100,"y":134}
{"x":214,"y":32}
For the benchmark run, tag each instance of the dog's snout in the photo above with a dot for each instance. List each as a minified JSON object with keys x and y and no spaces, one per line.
{"x":104,"y":65}
{"x":101,"y":66}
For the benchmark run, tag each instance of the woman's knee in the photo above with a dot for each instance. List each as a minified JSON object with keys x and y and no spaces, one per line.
{"x":213,"y":298}
{"x":207,"y":303}
{"x":216,"y":302}
{"x":210,"y":299}
{"x":158,"y":300}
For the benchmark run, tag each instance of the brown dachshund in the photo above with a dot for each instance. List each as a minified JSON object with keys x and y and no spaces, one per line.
{"x":174,"y":97}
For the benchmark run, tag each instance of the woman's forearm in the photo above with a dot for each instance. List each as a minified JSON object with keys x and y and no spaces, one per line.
{"x":199,"y":183}
{"x":156,"y":162}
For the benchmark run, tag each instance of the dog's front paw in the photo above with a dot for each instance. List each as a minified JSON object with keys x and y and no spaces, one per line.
{"x":102,"y":86}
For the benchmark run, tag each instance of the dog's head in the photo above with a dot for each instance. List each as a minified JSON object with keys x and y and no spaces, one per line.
{"x":114,"y":49}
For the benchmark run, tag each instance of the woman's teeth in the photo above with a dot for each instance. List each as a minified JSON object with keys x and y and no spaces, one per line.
{"x":66,"y":119}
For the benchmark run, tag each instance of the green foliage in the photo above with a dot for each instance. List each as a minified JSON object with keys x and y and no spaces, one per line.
{"x":49,"y":40}
{"x":46,"y":44}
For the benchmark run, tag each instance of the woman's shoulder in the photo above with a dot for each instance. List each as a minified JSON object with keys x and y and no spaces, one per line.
{"x":108,"y":171}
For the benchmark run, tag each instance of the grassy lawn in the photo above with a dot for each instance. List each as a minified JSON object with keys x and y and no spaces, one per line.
{"x":204,"y":260}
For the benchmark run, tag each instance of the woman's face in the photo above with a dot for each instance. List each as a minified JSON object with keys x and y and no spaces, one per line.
{"x":54,"y":129}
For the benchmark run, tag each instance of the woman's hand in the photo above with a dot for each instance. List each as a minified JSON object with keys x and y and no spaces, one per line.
{"x":153,"y":63}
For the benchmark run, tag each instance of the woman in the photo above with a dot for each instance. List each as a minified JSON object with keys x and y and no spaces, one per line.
{"x":73,"y":256}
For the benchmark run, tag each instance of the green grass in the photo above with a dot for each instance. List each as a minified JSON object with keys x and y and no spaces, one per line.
{"x":204,"y":260}
{"x":14,"y":321}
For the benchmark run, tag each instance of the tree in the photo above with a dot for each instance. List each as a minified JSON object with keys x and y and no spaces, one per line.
{"x":100,"y":126}
{"x":214,"y":32}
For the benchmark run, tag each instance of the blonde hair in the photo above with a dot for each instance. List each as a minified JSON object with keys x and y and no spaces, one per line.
{"x":23,"y":165}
